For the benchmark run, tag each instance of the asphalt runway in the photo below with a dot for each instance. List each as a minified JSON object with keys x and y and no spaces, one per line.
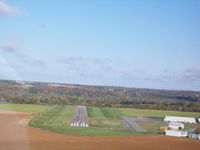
{"x":80,"y":118}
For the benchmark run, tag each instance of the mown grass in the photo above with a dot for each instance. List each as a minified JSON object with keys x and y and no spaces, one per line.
{"x":91,"y":131}
{"x":28,"y":108}
{"x":102,"y":121}
{"x":58,"y":116}
{"x":111,"y":112}
{"x":104,"y":117}
{"x":111,"y":117}
{"x":155,"y":113}
{"x":95,"y":112}
{"x":58,"y":119}
{"x":152,"y":126}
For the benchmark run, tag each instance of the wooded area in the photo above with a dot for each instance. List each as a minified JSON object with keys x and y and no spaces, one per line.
{"x":105,"y":96}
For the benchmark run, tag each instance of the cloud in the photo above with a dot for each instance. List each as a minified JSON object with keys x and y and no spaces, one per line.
{"x":106,"y":69}
{"x":102,"y":68}
{"x":73,"y":60}
{"x":8,"y":10}
{"x":32,"y":61}
{"x":9,"y":47}
{"x":85,"y":60}
{"x":14,"y":48}
{"x":102,"y":61}
{"x":191,"y":74}
{"x":186,"y":76}
{"x":87,"y":67}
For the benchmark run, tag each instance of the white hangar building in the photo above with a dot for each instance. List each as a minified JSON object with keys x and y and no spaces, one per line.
{"x":176,"y":133}
{"x":179,"y":119}
{"x":176,"y":126}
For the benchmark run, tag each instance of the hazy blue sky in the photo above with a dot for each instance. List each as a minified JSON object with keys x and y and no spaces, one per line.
{"x":134,"y":43}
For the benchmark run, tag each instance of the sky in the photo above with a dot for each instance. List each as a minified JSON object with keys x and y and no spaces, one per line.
{"x":143,"y":44}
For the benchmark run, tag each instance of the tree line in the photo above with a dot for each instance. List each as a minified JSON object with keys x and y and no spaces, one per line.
{"x":101,"y":96}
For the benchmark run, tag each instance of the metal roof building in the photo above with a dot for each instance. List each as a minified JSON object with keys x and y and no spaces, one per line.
{"x":177,"y":133}
{"x":179,"y":119}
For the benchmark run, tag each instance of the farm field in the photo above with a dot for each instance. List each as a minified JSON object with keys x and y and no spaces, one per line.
{"x":27,"y":108}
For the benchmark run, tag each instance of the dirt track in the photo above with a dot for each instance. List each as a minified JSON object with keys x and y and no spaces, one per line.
{"x":19,"y":137}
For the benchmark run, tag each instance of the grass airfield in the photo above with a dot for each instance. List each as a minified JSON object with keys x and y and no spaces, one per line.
{"x":102,"y":121}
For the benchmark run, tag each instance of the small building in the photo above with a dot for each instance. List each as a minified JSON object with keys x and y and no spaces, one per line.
{"x":176,"y":125}
{"x":176,"y":133}
{"x":194,"y":136}
{"x":193,"y":133}
{"x":179,"y":119}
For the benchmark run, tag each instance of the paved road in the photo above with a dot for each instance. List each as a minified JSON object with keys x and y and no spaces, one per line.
{"x":131,"y":123}
{"x":145,"y":119}
{"x":80,"y":118}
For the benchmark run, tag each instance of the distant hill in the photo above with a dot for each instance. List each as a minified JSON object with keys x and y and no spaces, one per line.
{"x":110,"y":96}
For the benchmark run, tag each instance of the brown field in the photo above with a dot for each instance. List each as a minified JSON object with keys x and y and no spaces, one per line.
{"x":15,"y":135}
